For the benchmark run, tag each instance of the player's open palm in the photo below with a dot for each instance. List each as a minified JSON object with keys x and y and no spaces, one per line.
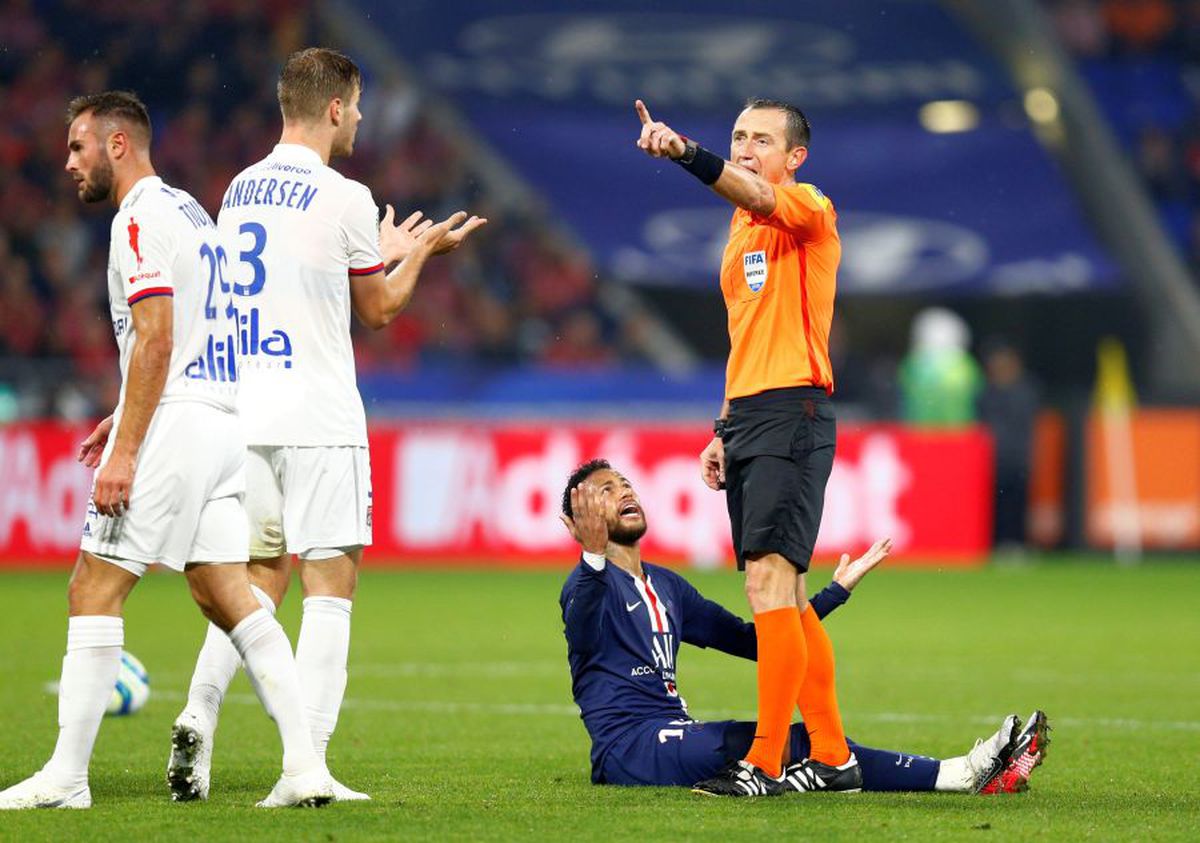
{"x":589,"y":526}
{"x":396,"y":241}
{"x":455,"y":236}
{"x":849,"y":573}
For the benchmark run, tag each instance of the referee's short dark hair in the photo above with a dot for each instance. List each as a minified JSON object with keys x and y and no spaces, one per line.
{"x":798,"y":131}
{"x":578,"y":476}
{"x":311,"y":78}
{"x":121,"y":105}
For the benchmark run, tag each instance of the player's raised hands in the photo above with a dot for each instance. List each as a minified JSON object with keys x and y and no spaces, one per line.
{"x":397,"y":241}
{"x":92,"y":448}
{"x":849,"y":573}
{"x":658,"y":140}
{"x":589,"y":526}
{"x":455,"y":236}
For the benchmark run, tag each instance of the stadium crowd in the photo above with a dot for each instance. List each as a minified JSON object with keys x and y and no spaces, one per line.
{"x":522,"y":294}
{"x":1142,"y":58}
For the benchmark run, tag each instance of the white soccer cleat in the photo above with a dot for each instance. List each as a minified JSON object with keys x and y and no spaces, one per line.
{"x":341,"y":793}
{"x":189,"y":769}
{"x":38,"y":791}
{"x":304,"y":790}
{"x":988,"y":757}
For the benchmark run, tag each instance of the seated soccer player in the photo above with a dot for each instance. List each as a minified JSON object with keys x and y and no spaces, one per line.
{"x":624,"y":622}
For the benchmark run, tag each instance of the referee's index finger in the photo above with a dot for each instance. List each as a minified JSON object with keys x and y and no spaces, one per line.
{"x":642,"y":112}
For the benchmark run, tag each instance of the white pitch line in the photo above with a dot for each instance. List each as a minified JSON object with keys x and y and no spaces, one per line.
{"x":537,"y":709}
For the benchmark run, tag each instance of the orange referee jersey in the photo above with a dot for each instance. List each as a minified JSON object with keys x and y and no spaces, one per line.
{"x":778,"y":276}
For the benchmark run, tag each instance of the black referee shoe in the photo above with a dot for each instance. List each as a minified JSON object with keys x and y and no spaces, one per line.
{"x":809,"y":775}
{"x":741,"y":778}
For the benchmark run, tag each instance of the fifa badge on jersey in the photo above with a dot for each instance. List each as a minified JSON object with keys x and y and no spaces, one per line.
{"x":755,"y":266}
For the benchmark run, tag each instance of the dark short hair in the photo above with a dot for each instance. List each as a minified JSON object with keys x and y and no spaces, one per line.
{"x":578,"y":476}
{"x":122,"y":105}
{"x":798,"y":131}
{"x":311,"y":78}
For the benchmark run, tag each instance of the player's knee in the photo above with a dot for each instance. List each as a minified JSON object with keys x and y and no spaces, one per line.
{"x":272,"y":577}
{"x":96,"y":589}
{"x":768,"y":585}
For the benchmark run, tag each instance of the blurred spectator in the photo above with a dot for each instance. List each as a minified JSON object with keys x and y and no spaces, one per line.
{"x":1139,"y":25}
{"x":1142,"y":58}
{"x":1009,"y":407}
{"x":939,"y":379}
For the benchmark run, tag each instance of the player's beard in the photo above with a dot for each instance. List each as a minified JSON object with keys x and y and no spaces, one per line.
{"x":98,"y":187}
{"x":626,"y":535}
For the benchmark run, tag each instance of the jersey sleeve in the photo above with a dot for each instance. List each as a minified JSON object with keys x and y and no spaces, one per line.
{"x":362,"y":233}
{"x":803,"y":210}
{"x":709,"y":624}
{"x":828,"y":599}
{"x":582,"y":607}
{"x":144,"y":250}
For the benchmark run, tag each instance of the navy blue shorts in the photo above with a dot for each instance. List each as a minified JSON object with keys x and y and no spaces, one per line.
{"x":673,"y":753}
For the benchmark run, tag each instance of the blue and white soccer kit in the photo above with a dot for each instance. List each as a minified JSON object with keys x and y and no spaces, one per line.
{"x":303,"y":233}
{"x":186,"y":500}
{"x":623,"y":636}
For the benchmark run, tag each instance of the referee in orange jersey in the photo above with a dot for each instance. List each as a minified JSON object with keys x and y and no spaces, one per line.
{"x":774,"y":442}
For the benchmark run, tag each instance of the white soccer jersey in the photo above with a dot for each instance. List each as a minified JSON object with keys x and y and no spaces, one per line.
{"x":164,"y":244}
{"x":299,"y":231}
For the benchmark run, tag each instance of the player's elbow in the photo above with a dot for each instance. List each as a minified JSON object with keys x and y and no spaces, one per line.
{"x":159,"y":345}
{"x":375,"y":319}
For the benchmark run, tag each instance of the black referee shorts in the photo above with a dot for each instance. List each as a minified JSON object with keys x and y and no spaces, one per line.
{"x":778,"y":455}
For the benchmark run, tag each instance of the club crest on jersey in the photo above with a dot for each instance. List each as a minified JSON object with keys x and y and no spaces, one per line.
{"x":133,"y":230}
{"x":755,"y":266}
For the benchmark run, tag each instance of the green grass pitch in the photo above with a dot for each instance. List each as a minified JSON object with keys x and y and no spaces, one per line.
{"x":459,"y":721}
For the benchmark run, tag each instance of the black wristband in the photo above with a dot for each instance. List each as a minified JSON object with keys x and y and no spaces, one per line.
{"x":701,"y":163}
{"x":719,"y":427}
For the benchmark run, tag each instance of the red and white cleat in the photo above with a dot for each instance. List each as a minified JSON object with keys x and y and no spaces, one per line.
{"x":1028,"y":752}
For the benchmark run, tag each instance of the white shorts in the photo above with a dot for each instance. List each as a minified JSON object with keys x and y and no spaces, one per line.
{"x":301,"y":499}
{"x":186,"y":504}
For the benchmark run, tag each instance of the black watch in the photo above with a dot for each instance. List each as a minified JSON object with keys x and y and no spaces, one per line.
{"x":719,"y":427}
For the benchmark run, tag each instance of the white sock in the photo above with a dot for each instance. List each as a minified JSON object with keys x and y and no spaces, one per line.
{"x":954,"y":775}
{"x":89,"y":674}
{"x":215,"y":666}
{"x":272,"y":671}
{"x":321,"y":653}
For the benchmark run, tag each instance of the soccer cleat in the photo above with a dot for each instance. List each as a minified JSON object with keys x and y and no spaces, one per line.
{"x":740,"y":778}
{"x":1029,"y":750}
{"x":304,"y":790}
{"x":38,"y":791}
{"x":809,"y":775}
{"x":341,"y":793}
{"x":988,"y":758}
{"x":189,"y":768}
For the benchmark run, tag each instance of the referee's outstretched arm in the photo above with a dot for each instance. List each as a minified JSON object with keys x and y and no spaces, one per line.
{"x":737,"y":184}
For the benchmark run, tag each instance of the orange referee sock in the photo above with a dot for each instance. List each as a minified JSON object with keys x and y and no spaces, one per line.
{"x":818,"y":695}
{"x":782,"y":658}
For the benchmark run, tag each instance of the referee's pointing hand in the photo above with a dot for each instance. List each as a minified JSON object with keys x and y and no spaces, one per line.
{"x":658,"y":140}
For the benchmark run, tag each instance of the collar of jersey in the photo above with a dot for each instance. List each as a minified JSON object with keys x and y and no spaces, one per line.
{"x":296,"y":151}
{"x":144,"y":183}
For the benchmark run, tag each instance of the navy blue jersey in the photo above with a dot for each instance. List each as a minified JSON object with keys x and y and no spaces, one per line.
{"x":623,"y":635}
